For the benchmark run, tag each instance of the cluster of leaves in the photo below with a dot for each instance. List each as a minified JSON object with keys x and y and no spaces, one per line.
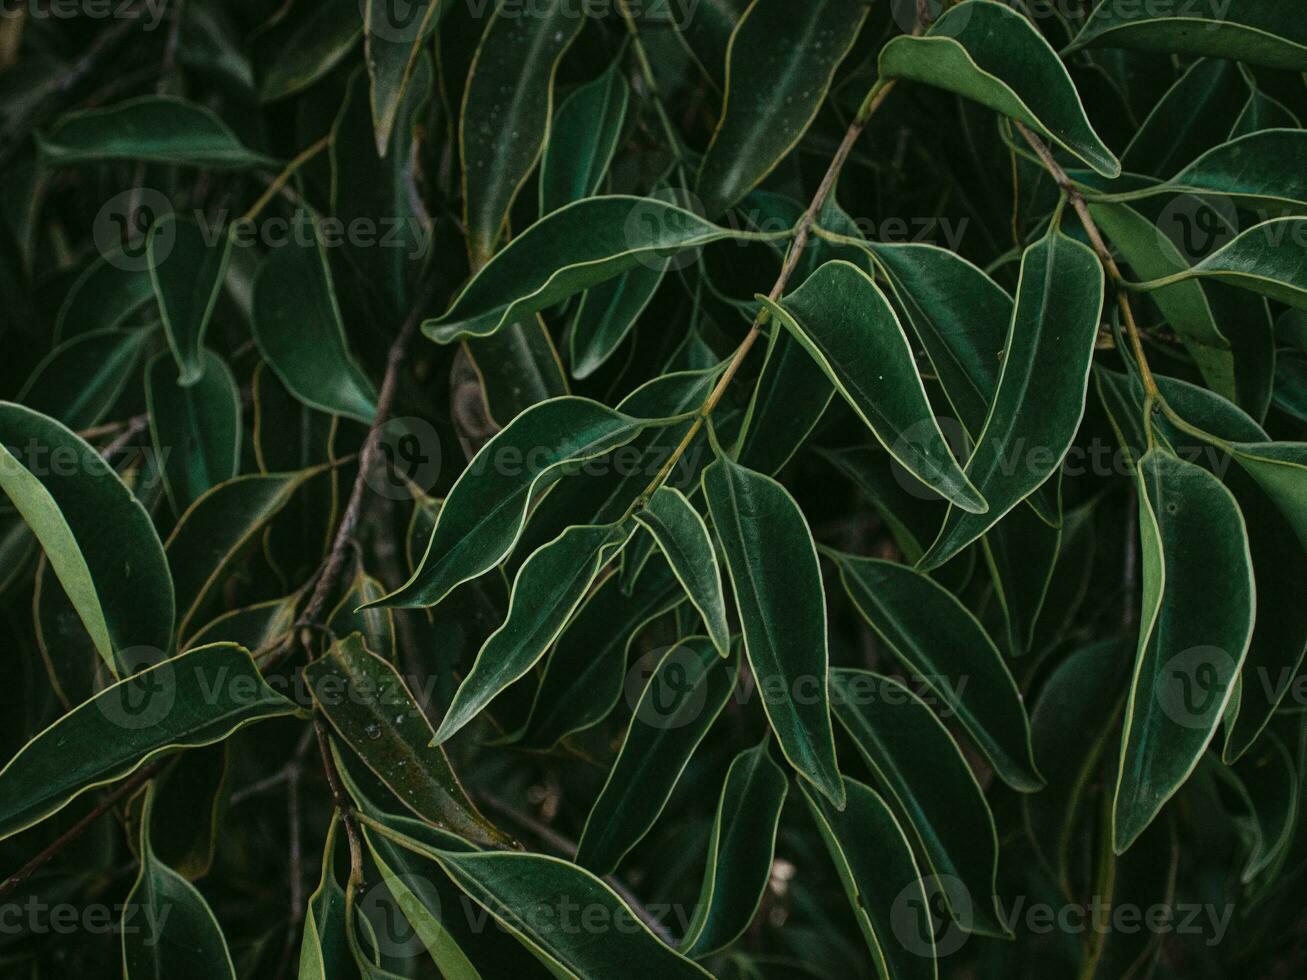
{"x":535,"y":470}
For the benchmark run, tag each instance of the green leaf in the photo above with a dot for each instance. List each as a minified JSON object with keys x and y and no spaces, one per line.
{"x":583,"y":139}
{"x":911,"y":510}
{"x":844,"y":321}
{"x":187,"y":271}
{"x":151,"y":128}
{"x":81,"y":380}
{"x":324,"y":951}
{"x":302,"y":43}
{"x":1186,"y":121}
{"x":773,"y":568}
{"x":1193,"y":546}
{"x":188,"y":802}
{"x":1041,"y":388}
{"x":1280,"y":469}
{"x":741,"y":848}
{"x":370,"y":707}
{"x":98,"y":539}
{"x":212,"y":533}
{"x":572,"y":249}
{"x":942,"y":643}
{"x":485,"y":511}
{"x":517,"y":367}
{"x":990,"y":53}
{"x":606,"y":314}
{"x":506,"y":112}
{"x":392,"y":41}
{"x":549,"y":587}
{"x":300,"y":332}
{"x":683,"y":537}
{"x":168,"y":929}
{"x":1260,"y":32}
{"x":1265,"y":259}
{"x":195,"y":430}
{"x":107,"y":292}
{"x":886,"y":891}
{"x":788,"y":401}
{"x":197,"y":698}
{"x":530,"y":893}
{"x":1021,"y":551}
{"x":932,"y":784}
{"x":773,"y":90}
{"x":686,"y":692}
{"x":706,"y":28}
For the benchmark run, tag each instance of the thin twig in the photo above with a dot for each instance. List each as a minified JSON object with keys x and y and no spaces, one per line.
{"x":344,"y":806}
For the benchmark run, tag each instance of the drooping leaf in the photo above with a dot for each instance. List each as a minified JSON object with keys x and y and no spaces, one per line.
{"x":303,"y":42}
{"x":392,"y":41}
{"x":98,"y":539}
{"x":992,"y":54}
{"x":79,"y":381}
{"x":324,"y":952}
{"x":1021,"y":551}
{"x":197,"y":698}
{"x":189,"y":797}
{"x":773,"y":91}
{"x":370,"y":707}
{"x":847,"y":325}
{"x":583,"y":140}
{"x":607,"y":314}
{"x":1193,"y":546}
{"x":789,"y":400}
{"x":1183,"y":124}
{"x":187,"y":272}
{"x":1256,"y":169}
{"x":777,"y":582}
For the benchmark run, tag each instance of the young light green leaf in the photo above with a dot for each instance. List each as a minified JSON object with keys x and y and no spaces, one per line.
{"x":992,"y":54}
{"x":1041,"y":389}
{"x":98,"y":539}
{"x":686,"y":692}
{"x":844,"y":321}
{"x":187,"y":271}
{"x":1260,"y":32}
{"x":941,"y":642}
{"x":370,"y":707}
{"x":548,"y":589}
{"x":300,"y":333}
{"x":486,"y":509}
{"x":572,"y":249}
{"x":773,"y":90}
{"x":583,"y":139}
{"x":886,"y":891}
{"x":506,"y":112}
{"x":683,"y":537}
{"x":195,"y":429}
{"x":778,"y":590}
{"x":942,"y":803}
{"x":1193,"y":546}
{"x":197,"y":698}
{"x":741,"y":848}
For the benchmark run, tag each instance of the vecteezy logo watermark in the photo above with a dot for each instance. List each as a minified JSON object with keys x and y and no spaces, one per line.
{"x":121,"y":228}
{"x":398,"y":21}
{"x":149,"y":12}
{"x":932,"y":916}
{"x":665,"y":688}
{"x":1198,"y":226}
{"x":146,"y":694}
{"x":37,"y":917}
{"x":410,"y":458}
{"x":657,"y":225}
{"x":1191,"y":686}
{"x":395,"y":937}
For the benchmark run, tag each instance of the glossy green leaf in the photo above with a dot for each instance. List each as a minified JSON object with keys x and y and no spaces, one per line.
{"x":1041,"y":389}
{"x":108,"y":292}
{"x":572,"y":249}
{"x":683,"y":537}
{"x":300,"y":332}
{"x":152,"y":128}
{"x":392,"y":41}
{"x":686,"y":692}
{"x":741,"y":849}
{"x":1256,"y":169}
{"x":942,"y":804}
{"x":777,"y":582}
{"x":885,"y":888}
{"x":843,"y":320}
{"x":189,"y":798}
{"x":1193,"y":546}
{"x":938,"y":640}
{"x":1261,"y":32}
{"x":485,"y":511}
{"x":773,"y":90}
{"x":79,"y":381}
{"x":706,"y":28}
{"x":324,"y":952}
{"x":1280,"y":469}
{"x":168,"y":928}
{"x":196,"y":430}
{"x":197,"y":698}
{"x":990,"y":53}
{"x":187,"y":269}
{"x":98,"y":539}
{"x":607,"y":314}
{"x":1021,"y":551}
{"x":302,"y":43}
{"x":549,"y":587}
{"x":1184,"y":123}
{"x":506,"y":112}
{"x":789,"y":400}
{"x":370,"y":707}
{"x":583,"y":139}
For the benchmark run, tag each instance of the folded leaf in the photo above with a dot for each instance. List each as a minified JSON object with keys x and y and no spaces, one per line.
{"x":844,"y":321}
{"x":778,"y":590}
{"x":98,"y":539}
{"x":197,"y":698}
{"x":774,"y":89}
{"x":187,"y":271}
{"x":1041,"y":388}
{"x":1193,"y":546}
{"x":938,"y":640}
{"x":992,"y":54}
